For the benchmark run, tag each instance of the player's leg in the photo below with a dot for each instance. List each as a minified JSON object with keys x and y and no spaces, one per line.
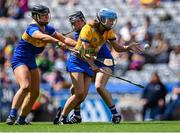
{"x":23,"y":77}
{"x":76,"y":98}
{"x":30,"y":98}
{"x":77,"y":108}
{"x":100,"y":83}
{"x":76,"y":117}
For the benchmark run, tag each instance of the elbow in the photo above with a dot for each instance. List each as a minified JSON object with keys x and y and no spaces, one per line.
{"x":43,"y":38}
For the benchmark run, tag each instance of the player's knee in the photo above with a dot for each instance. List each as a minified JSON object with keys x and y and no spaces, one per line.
{"x":98,"y":87}
{"x":72,"y":90}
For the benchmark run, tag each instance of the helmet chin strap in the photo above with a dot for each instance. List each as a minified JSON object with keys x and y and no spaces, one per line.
{"x":107,"y":29}
{"x":103,"y":28}
{"x":39,"y":22}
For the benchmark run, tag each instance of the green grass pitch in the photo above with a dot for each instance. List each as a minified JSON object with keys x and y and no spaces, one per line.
{"x":153,"y":126}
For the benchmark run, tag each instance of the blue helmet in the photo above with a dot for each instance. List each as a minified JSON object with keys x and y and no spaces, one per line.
{"x":107,"y":17}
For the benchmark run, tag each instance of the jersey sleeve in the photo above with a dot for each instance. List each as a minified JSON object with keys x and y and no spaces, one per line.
{"x":86,"y":34}
{"x":51,"y":30}
{"x":31,"y":29}
{"x":111,"y":35}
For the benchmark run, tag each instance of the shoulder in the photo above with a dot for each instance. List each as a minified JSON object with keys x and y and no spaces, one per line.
{"x":50,"y":29}
{"x":31,"y":28}
{"x":33,"y":24}
{"x":92,"y":23}
{"x":49,"y":26}
{"x":87,"y":26}
{"x":86,"y":29}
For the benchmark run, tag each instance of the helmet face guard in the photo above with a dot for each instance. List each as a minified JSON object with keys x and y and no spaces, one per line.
{"x":77,"y":17}
{"x":107,"y":17}
{"x":41,"y":14}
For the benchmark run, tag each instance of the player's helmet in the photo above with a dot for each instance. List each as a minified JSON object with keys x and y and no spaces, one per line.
{"x":76,"y":16}
{"x":39,"y":11}
{"x":107,"y":18}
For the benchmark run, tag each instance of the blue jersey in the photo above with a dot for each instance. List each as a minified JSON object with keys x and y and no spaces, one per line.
{"x":28,"y":47}
{"x":76,"y":35}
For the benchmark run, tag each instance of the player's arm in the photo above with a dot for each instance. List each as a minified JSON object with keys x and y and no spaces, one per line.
{"x":117,"y":47}
{"x":66,"y":40}
{"x":44,"y":37}
{"x":70,"y":35}
{"x":111,"y":39}
{"x":58,"y":39}
{"x":89,"y":58}
{"x":133,"y":47}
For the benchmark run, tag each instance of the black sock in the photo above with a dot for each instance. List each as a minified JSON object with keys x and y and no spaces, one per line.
{"x":77,"y":111}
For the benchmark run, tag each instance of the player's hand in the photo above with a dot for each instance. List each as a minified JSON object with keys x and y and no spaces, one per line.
{"x":95,"y":68}
{"x":134,"y":48}
{"x":62,"y":45}
{"x":103,"y":70}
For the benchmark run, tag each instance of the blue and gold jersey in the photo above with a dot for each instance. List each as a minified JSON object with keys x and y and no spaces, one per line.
{"x":95,"y":40}
{"x":28,"y":46}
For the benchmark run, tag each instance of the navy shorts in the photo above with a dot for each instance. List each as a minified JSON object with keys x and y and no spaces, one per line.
{"x":31,"y":64}
{"x":75,"y":64}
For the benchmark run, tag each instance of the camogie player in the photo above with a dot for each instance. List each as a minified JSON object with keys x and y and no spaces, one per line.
{"x":81,"y":64}
{"x":77,"y":21}
{"x":37,"y":35}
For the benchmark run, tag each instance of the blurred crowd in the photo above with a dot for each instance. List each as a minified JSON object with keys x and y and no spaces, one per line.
{"x":17,"y":8}
{"x":161,"y":50}
{"x":13,"y":8}
{"x":52,"y":64}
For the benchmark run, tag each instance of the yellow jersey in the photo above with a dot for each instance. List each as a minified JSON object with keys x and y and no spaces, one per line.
{"x":91,"y":36}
